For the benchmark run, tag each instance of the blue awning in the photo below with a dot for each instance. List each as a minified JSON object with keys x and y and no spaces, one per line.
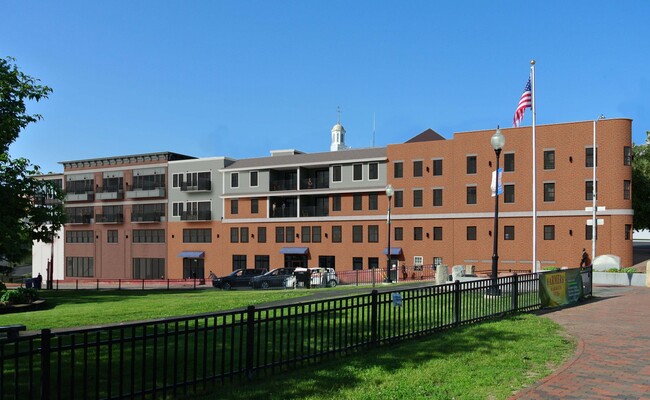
{"x":192,"y":254}
{"x":394,"y":251}
{"x":294,"y":250}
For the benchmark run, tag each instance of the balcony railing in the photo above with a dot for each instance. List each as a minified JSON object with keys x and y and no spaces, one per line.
{"x":310,"y":183}
{"x":109,"y":193}
{"x":196,"y":216}
{"x":109,"y":218}
{"x":284,"y":212}
{"x":148,"y":217}
{"x":80,"y":219}
{"x":79,"y":195}
{"x":313,"y":211}
{"x":201,"y":185}
{"x":145,"y":191}
{"x":283,"y":184}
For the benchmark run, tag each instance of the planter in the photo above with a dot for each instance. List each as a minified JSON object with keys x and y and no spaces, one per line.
{"x":619,"y":278}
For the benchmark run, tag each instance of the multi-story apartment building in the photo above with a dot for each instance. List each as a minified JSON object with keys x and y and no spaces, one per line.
{"x":330,"y":209}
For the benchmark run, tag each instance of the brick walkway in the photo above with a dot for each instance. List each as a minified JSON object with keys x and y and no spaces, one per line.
{"x":613,"y":355}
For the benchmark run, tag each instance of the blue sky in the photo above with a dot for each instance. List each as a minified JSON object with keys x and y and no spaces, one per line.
{"x":241,"y":78}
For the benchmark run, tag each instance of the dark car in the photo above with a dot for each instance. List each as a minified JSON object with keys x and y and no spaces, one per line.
{"x":279,"y":277}
{"x":238,"y":278}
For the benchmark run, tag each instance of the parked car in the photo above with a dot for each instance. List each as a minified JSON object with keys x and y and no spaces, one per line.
{"x":238,"y":278}
{"x":321,"y":277}
{"x":274,"y":278}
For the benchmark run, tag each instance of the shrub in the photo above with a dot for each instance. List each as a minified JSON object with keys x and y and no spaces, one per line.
{"x":551,"y":269}
{"x":19,"y":296}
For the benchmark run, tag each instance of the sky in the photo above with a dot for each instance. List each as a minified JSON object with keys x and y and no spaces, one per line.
{"x":242,"y":78}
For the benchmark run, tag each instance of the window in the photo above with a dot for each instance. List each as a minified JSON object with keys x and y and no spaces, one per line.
{"x":417,"y":168}
{"x":290,"y":236}
{"x":234,"y":235}
{"x":398,"y":171}
{"x":254,"y":179}
{"x":549,"y":232}
{"x":589,"y":233}
{"x":148,"y":268}
{"x":627,"y":189}
{"x":509,"y":162}
{"x":305,"y":234}
{"x":336,"y":173}
{"x":399,"y":233}
{"x":417,"y":233}
{"x":627,"y":155}
{"x":234,"y":179}
{"x":373,"y":262}
{"x":357,"y":172}
{"x":437,"y":167}
{"x":549,"y":159}
{"x":417,"y":197}
{"x":357,"y":234}
{"x":336,"y":234}
{"x":549,"y":191}
{"x":262,"y":262}
{"x":177,"y":209}
{"x":589,"y":157}
{"x":111,"y":236}
{"x":471,"y":233}
{"x":437,"y":233}
{"x":509,"y":232}
{"x":148,"y":212}
{"x":79,"y":266}
{"x":373,"y":171}
{"x":234,"y":206}
{"x":315,"y":234}
{"x":471,"y":195}
{"x":279,"y":234}
{"x":471,"y":164}
{"x":509,"y":193}
{"x":357,"y":199}
{"x":336,"y":202}
{"x":152,"y":235}
{"x":589,"y":190}
{"x":399,"y":198}
{"x":192,"y":235}
{"x":255,"y":206}
{"x":437,"y":197}
{"x":261,"y":234}
{"x":243,"y":235}
{"x":357,"y":263}
{"x":79,"y":236}
{"x":373,"y":201}
{"x":238,"y":261}
{"x":373,"y":233}
{"x":628,"y":231}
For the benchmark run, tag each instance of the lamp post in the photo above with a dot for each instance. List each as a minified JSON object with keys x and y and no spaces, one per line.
{"x":497,"y":141}
{"x":389,"y":194}
{"x":593,"y":196}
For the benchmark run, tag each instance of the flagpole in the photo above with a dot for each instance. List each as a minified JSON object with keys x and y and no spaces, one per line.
{"x":532,"y":78}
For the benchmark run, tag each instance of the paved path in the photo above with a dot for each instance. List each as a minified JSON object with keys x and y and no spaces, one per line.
{"x":613,"y":354}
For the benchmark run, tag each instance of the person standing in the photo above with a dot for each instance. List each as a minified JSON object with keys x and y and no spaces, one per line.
{"x":585,"y":261}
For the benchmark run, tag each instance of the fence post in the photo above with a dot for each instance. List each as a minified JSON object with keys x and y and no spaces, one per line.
{"x":167,"y":283}
{"x":143,"y":284}
{"x":457,"y":303}
{"x":46,"y":334}
{"x":250,"y":335}
{"x":97,"y":284}
{"x":374,"y":316}
{"x":119,"y":284}
{"x":515,"y":292}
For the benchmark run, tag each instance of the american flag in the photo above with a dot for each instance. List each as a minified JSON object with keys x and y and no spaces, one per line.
{"x":524,"y":102}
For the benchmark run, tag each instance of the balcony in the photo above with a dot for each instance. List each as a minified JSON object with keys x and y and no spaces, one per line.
{"x":200,"y":186}
{"x":313,"y":211}
{"x":109,"y":218}
{"x":109,"y":193}
{"x":80,"y":219}
{"x":145,"y":191}
{"x":196,"y":216}
{"x":284,"y":212}
{"x":283,"y":184}
{"x":79,"y":196}
{"x":148,"y":217}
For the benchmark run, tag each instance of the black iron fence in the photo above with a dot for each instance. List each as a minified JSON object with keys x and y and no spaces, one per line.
{"x":165,"y":357}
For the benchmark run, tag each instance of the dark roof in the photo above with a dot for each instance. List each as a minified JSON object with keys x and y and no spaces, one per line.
{"x":325,"y":158}
{"x":426,"y":136}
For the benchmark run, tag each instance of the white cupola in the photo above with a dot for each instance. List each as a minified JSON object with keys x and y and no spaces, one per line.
{"x":338,"y":135}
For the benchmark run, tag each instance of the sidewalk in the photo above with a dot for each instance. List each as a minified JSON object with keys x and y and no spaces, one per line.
{"x":613,"y":355}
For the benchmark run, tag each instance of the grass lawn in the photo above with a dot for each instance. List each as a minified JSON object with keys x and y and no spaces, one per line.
{"x":491,"y":360}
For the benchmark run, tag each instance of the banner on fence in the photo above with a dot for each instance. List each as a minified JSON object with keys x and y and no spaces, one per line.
{"x":560,"y":288}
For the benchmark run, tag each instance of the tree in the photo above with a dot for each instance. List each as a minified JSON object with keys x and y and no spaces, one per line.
{"x":26,"y":215}
{"x":641,"y":184}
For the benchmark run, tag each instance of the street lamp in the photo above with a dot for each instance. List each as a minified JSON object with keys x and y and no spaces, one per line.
{"x":593,"y":195}
{"x":389,"y":194}
{"x":497,"y":141}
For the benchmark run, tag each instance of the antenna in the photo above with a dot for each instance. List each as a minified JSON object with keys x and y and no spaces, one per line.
{"x":338,"y":110}
{"x":373,"y":129}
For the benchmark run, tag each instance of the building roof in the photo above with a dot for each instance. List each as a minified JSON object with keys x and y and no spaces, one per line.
{"x":106,"y":161}
{"x":325,"y":158}
{"x":426,"y":136}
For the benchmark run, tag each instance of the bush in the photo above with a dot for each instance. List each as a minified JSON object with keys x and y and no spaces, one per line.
{"x":19,"y":296}
{"x":551,"y":269}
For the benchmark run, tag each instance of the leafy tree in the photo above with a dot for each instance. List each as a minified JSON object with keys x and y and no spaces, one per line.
{"x":26,"y":215}
{"x":641,"y":184}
